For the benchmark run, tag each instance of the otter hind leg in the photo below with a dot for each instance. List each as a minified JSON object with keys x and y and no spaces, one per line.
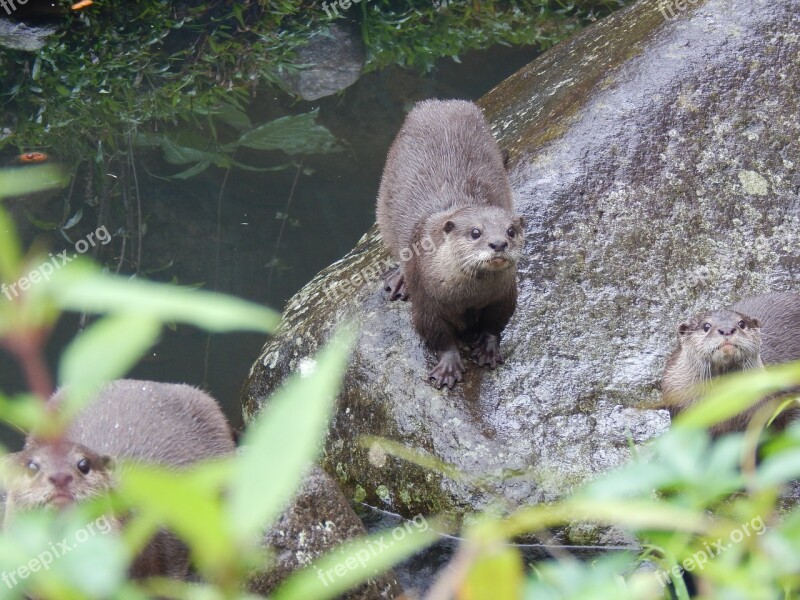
{"x":449,"y":370}
{"x":395,"y":285}
{"x":486,"y":350}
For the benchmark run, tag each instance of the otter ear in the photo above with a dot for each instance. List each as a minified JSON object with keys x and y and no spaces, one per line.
{"x":755,"y":323}
{"x":519,"y":222}
{"x":108,"y":463}
{"x":448,"y":226}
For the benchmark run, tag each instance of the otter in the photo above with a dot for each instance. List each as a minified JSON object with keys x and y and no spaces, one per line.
{"x":758,"y":331}
{"x":145,"y":422}
{"x":444,"y":189}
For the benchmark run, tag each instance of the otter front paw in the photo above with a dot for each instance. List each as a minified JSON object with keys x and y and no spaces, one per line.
{"x":486,"y":351}
{"x":395,"y":284}
{"x":449,"y":371}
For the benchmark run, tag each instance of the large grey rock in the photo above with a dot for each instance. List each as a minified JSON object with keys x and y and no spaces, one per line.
{"x":331,"y":61}
{"x":16,"y":35}
{"x":657,"y":162}
{"x":317,"y":520}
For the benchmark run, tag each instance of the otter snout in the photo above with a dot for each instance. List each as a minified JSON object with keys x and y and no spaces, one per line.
{"x":498,"y":245}
{"x":60,"y":480}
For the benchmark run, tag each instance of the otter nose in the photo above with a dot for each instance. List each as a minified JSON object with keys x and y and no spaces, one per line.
{"x":498,"y":246}
{"x":60,"y":480}
{"x":726,"y":331}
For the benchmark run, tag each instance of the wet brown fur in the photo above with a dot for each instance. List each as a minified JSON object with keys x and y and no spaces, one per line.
{"x":444,"y":177}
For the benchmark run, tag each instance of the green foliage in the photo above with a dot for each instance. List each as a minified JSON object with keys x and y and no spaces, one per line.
{"x":294,"y":134}
{"x":416,"y":34}
{"x":122,"y":67}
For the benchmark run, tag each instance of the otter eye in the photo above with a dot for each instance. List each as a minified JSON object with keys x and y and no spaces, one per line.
{"x":742,"y":325}
{"x":706,"y":326}
{"x":84,"y":466}
{"x":511,"y":232}
{"x":32,"y":467}
{"x":475,"y":233}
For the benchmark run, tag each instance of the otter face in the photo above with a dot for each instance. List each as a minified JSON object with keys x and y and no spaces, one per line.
{"x":57,"y":475}
{"x":485,"y":239}
{"x":726,"y":340}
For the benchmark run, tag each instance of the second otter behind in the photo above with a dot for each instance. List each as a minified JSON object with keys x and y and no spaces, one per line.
{"x":170,"y":425}
{"x":760,"y":330}
{"x":444,"y":187}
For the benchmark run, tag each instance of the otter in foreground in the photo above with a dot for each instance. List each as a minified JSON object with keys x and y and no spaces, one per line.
{"x":760,"y":330}
{"x":146,"y":422}
{"x":445,"y":190}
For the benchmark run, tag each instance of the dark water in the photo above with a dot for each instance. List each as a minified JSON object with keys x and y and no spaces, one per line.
{"x":329,"y":210}
{"x":419,"y":572}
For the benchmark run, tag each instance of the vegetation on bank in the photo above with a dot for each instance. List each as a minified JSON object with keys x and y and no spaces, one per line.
{"x":118,"y":66}
{"x":188,"y":72}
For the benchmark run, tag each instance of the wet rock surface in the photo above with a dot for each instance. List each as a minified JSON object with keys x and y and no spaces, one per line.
{"x":318,"y":519}
{"x":330,"y":62}
{"x":16,"y":35}
{"x":657,"y":163}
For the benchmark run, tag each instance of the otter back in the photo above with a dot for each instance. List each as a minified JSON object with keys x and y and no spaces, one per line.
{"x":779,"y":314}
{"x":162,"y":423}
{"x":443,"y":158}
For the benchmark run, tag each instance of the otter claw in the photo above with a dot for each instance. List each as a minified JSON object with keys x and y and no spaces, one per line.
{"x":396,"y":285}
{"x":486,"y":351}
{"x":448,"y":372}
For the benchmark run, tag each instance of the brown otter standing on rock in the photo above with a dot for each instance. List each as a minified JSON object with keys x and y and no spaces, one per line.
{"x":445,"y":189}
{"x":758,"y":331}
{"x":141,"y":421}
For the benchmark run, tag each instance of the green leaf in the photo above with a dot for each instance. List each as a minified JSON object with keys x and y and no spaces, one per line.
{"x":27,"y":180}
{"x":35,"y":536}
{"x":81,"y":287}
{"x":10,"y":256}
{"x":284,"y":441}
{"x":779,"y":469}
{"x":296,"y":134}
{"x":192,"y":171}
{"x":497,"y":574}
{"x":184,"y":155}
{"x":107,"y":350}
{"x":736,"y":393}
{"x":233,"y":116}
{"x":23,"y":412}
{"x":181,"y":501}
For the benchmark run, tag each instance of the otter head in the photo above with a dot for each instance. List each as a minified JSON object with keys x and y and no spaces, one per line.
{"x":483,"y":239}
{"x":722,"y":341}
{"x":56,"y":474}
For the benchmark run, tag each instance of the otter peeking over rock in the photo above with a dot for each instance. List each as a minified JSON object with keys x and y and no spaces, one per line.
{"x":758,"y":331}
{"x":444,"y":189}
{"x":163,"y":424}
